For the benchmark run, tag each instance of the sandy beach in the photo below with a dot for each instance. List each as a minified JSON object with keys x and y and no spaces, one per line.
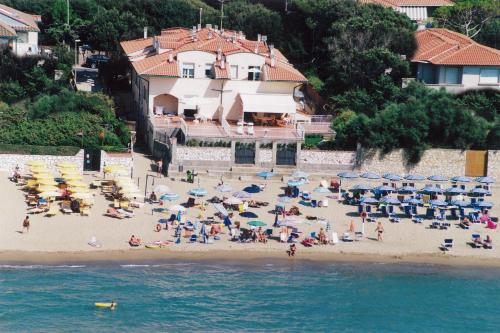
{"x":64,"y":238}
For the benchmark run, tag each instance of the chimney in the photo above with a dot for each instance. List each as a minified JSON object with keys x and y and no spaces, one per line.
{"x":194,"y":28}
{"x":223,"y":63}
{"x":209,"y":35}
{"x":208,"y":26}
{"x":216,"y":27}
{"x":273,"y":61}
{"x":199,"y":27}
{"x":219,"y":54}
{"x":271,"y":48}
{"x":145,"y":32}
{"x":259,"y":37}
{"x":263,"y":38}
{"x":170,"y":57}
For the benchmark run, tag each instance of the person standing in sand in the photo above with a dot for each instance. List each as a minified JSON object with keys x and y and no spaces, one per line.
{"x":351,"y":226}
{"x":26,"y":224}
{"x":379,"y":230}
{"x":159,"y":168}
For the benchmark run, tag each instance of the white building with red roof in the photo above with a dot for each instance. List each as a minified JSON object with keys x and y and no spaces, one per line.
{"x":19,"y":31}
{"x":416,"y":10}
{"x":451,"y":60}
{"x":209,"y":82}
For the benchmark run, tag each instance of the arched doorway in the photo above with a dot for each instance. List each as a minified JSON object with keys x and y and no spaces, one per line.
{"x":165,"y":104}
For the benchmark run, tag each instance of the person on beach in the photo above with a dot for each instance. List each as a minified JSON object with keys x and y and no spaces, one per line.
{"x":134,"y":241}
{"x":152,"y":197}
{"x":379,"y":230}
{"x":293,"y":249}
{"x":26,"y":224}
{"x":351,"y":226}
{"x":159,"y":167}
{"x":322,"y":236}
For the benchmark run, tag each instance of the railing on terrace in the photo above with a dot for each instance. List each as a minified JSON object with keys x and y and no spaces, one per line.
{"x":321,"y":118}
{"x":301,"y":130}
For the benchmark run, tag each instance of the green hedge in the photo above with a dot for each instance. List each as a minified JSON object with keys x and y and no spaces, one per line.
{"x":38,"y":150}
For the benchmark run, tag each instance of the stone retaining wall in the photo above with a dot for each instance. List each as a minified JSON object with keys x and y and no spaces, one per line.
{"x":494,"y":164}
{"x":330,"y":157}
{"x":446,"y":162}
{"x":9,"y":161}
{"x":124,"y":159}
{"x":265,"y":156}
{"x":203,"y":154}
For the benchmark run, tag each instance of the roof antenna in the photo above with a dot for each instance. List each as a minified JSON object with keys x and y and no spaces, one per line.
{"x":222,"y":12}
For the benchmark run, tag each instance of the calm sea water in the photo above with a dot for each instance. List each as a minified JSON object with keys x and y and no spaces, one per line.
{"x":266,"y":296}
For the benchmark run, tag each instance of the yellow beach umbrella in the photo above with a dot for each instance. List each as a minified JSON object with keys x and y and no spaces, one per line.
{"x":69,"y":171}
{"x":50,"y":194}
{"x":36,"y":163}
{"x":72,"y":177}
{"x":66,"y":164}
{"x":77,"y":183}
{"x":74,"y":189}
{"x":39,"y":176}
{"x":46,"y":188}
{"x":39,"y":169}
{"x":47,"y":181}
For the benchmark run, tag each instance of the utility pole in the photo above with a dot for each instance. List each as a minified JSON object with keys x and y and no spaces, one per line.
{"x":67,"y":13}
{"x":201,"y":12}
{"x":221,"y":12}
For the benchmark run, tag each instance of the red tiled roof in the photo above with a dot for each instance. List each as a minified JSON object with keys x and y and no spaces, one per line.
{"x":6,"y":31}
{"x":410,"y":3}
{"x":157,"y":65}
{"x":221,"y":73}
{"x":27,"y":22}
{"x":179,"y":40}
{"x":282,"y":72}
{"x":445,"y":47}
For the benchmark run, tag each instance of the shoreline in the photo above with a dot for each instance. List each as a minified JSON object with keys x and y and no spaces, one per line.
{"x":145,"y":256}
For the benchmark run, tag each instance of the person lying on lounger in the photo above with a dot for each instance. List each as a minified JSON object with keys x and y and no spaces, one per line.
{"x":134,"y":241}
{"x":488,"y":242}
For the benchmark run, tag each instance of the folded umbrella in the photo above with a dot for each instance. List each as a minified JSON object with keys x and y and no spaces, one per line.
{"x":169,"y":196}
{"x":249,"y":215}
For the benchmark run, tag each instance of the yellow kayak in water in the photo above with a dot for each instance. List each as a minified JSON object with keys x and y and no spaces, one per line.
{"x":104,"y":305}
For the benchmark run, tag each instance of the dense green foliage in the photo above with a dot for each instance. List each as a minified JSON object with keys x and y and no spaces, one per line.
{"x":38,"y":150}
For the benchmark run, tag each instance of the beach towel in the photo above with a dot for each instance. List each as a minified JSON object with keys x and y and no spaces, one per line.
{"x":491,"y":225}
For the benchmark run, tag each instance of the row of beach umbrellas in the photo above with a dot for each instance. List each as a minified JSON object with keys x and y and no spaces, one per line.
{"x":413,"y":177}
{"x":426,"y":190}
{"x":435,"y":203}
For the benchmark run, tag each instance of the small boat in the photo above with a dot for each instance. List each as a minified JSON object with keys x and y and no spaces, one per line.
{"x":104,"y":305}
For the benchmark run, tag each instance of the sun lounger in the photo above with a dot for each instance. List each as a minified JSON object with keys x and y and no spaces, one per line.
{"x":393,"y":218}
{"x":111,"y":212}
{"x":125,"y":212}
{"x":476,"y":242}
{"x":371,"y":218}
{"x":447,"y":244}
{"x":39,"y":210}
{"x":464,"y":225}
{"x":435,"y":225}
{"x":66,"y":207}
{"x":346,"y":237}
{"x":358,"y":235}
{"x":445,"y":226}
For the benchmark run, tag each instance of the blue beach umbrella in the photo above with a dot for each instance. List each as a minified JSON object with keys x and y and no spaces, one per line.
{"x":413,"y":201}
{"x":252,"y":189}
{"x":483,"y":204}
{"x":460,"y":203}
{"x":299,"y":174}
{"x":479,"y":191}
{"x":454,"y":191}
{"x":431,"y":190}
{"x":390,"y":201}
{"x":224,"y":188}
{"x":249,"y":215}
{"x":361,"y":187}
{"x":370,"y":175}
{"x":369,"y":201}
{"x":227,"y":221}
{"x":169,"y":197}
{"x":322,"y":190}
{"x":384,"y":188}
{"x":392,"y":176}
{"x":438,"y":178}
{"x":347,"y":174}
{"x":414,"y":177}
{"x":461,"y":179}
{"x":285,"y":199}
{"x":265,"y":174}
{"x":198,"y":192}
{"x":295,"y":182}
{"x":439,"y":203}
{"x":407,"y":189}
{"x":485,"y":180}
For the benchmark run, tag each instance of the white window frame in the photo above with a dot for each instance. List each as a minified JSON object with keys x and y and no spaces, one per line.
{"x":491,"y":78}
{"x":188,"y":70}
{"x":208,"y":67}
{"x":255,"y":75}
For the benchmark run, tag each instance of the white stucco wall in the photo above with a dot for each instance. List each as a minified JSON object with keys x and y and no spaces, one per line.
{"x":470,"y":80}
{"x":199,"y":58}
{"x":22,"y":48}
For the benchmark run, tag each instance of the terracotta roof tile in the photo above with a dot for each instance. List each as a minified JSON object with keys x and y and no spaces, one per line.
{"x":410,"y":3}
{"x":445,"y":47}
{"x":157,"y":65}
{"x":6,"y":31}
{"x":221,"y":73}
{"x":26,"y":21}
{"x":282,"y":72}
{"x":135,"y":45}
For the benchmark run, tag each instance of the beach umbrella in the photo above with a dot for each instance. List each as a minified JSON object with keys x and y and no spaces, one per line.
{"x":454,"y":191}
{"x":485,"y":180}
{"x":227,"y":221}
{"x":390,"y":201}
{"x":440,"y":203}
{"x":198,"y":192}
{"x":250,"y":215}
{"x":414,"y":177}
{"x":369,"y":201}
{"x":370,"y":175}
{"x":479,"y":191}
{"x":252,"y":189}
{"x":161,"y":189}
{"x":220,"y":208}
{"x":66,"y":164}
{"x":407,"y":189}
{"x":460,"y":203}
{"x":114,"y":168}
{"x":233,"y":201}
{"x":431,"y":190}
{"x":384,"y":188}
{"x":256,"y":223}
{"x":76,"y":183}
{"x":46,"y":188}
{"x":285,"y":199}
{"x":177,"y":208}
{"x":78,"y":189}
{"x":36,"y":168}
{"x":361,"y":187}
{"x":438,"y":178}
{"x":347,"y":174}
{"x":36,"y":163}
{"x":169,"y":196}
{"x":413,"y":201}
{"x":73,"y":177}
{"x":392,"y":176}
{"x":461,"y":179}
{"x":44,"y":176}
{"x":483,"y":204}
{"x":49,"y":194}
{"x":265,"y":174}
{"x":80,"y":195}
{"x":322,"y":190}
{"x":48,"y":181}
{"x":69,"y":172}
{"x":295,"y":182}
{"x":299,"y":174}
{"x":242,"y":195}
{"x":224,"y":188}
